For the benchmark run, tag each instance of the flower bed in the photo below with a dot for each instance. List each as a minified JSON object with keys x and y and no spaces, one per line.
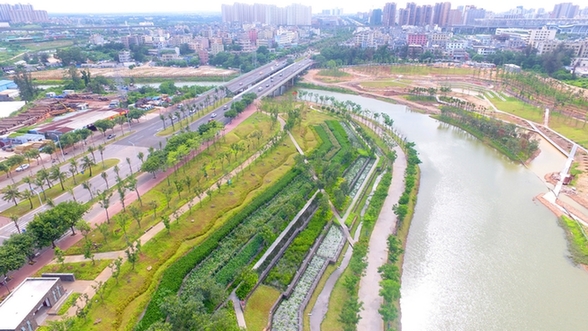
{"x":351,"y":135}
{"x":362,"y":177}
{"x":354,"y":169}
{"x":286,"y":316}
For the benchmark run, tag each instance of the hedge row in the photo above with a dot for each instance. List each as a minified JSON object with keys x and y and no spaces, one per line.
{"x":173,"y":276}
{"x":343,"y":140}
{"x":336,"y":146}
{"x":326,"y":142}
{"x":410,"y":178}
{"x":282,"y":273}
{"x":390,"y":283}
{"x":228,"y":273}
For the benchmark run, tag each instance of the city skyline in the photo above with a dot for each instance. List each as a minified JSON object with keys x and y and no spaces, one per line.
{"x":178,"y":6}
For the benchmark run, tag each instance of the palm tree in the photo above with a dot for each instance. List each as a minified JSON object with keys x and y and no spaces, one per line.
{"x":87,"y":164}
{"x":40,"y":182}
{"x":104,"y":176}
{"x":32,"y":154}
{"x":88,"y":186}
{"x":28,"y":180}
{"x":44,"y":175}
{"x":132,"y":185}
{"x":14,"y":218}
{"x":56,"y":173}
{"x":101,"y":150}
{"x":91,"y":150}
{"x":11,"y":193}
{"x":4,"y":167}
{"x":141,"y":156}
{"x":129,"y":163}
{"x":28,"y":194}
{"x":73,"y":169}
{"x":162,"y":118}
{"x":104,"y":201}
{"x":171,"y":118}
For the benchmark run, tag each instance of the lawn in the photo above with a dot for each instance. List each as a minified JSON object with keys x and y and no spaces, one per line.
{"x":258,"y":307}
{"x":71,"y":299}
{"x":516,"y":107}
{"x":82,"y":270}
{"x":304,"y":135}
{"x":577,"y":242}
{"x":24,"y":206}
{"x":208,"y":160}
{"x":572,"y":129}
{"x":123,"y":303}
{"x":47,"y":45}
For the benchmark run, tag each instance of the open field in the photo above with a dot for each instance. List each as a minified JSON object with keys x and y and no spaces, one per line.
{"x":82,"y":270}
{"x":258,"y":307}
{"x":516,"y":107}
{"x":142,"y":71}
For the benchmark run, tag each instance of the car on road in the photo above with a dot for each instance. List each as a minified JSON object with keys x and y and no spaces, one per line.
{"x":213,"y":115}
{"x":266,"y":85}
{"x":22,"y":167}
{"x":240,"y":83}
{"x":110,"y":136}
{"x":226,"y":107}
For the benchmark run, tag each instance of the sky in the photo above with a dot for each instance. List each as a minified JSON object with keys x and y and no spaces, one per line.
{"x":349,"y":6}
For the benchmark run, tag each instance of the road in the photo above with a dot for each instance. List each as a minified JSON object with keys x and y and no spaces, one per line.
{"x":143,"y":136}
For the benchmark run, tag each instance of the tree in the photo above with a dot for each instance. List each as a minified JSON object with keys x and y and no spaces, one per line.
{"x":33,"y":153}
{"x":140,"y":156}
{"x":128,"y":159}
{"x":137,"y":214}
{"x":115,"y":266}
{"x":26,"y":85}
{"x":103,"y":125}
{"x":14,"y":219}
{"x":11,"y":193}
{"x":56,"y":174}
{"x":166,"y":222}
{"x":87,"y":164}
{"x":59,"y":256}
{"x":23,"y":243}
{"x":153,"y":205}
{"x":135,"y":114}
{"x":121,"y":189}
{"x":29,"y":195}
{"x":87,"y":249}
{"x":133,"y":253}
{"x":84,"y":227}
{"x":44,"y":176}
{"x":10,"y":259}
{"x":101,"y":150}
{"x":104,"y":176}
{"x":88,"y":186}
{"x":132,"y":185}
{"x":349,"y":315}
{"x":91,"y":150}
{"x":73,"y":170}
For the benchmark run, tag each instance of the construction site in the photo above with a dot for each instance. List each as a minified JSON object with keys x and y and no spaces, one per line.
{"x":64,"y":110}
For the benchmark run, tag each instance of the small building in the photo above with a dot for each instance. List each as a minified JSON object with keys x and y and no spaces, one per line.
{"x":7,"y":85}
{"x":19,"y":310}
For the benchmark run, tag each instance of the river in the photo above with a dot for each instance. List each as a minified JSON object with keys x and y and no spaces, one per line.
{"x":481,"y":253}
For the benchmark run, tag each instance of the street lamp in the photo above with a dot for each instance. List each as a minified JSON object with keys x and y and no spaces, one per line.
{"x":38,"y":195}
{"x":61,"y":148}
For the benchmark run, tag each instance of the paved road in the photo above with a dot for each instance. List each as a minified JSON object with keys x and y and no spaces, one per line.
{"x":369,"y":285}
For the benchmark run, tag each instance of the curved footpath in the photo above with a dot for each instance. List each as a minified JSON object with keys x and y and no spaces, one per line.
{"x":369,"y":286}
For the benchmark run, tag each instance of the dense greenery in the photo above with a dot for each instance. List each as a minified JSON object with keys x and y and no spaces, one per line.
{"x":390,"y":283}
{"x":349,"y":315}
{"x":577,"y":241}
{"x":282,"y":273}
{"x":410,"y":180}
{"x":174,"y":275}
{"x":515,"y":144}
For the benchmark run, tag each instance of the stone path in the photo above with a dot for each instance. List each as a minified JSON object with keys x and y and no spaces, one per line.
{"x":369,"y":285}
{"x":238,"y":310}
{"x":321,"y":306}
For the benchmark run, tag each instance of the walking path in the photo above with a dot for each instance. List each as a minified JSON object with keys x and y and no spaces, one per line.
{"x":321,"y":306}
{"x":378,"y":249}
{"x":96,"y":215}
{"x":238,"y":310}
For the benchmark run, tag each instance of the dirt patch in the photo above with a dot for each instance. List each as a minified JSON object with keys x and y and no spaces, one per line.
{"x":142,"y":71}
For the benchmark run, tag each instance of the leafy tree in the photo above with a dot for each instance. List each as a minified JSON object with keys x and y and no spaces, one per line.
{"x":87,"y":249}
{"x":26,"y":85}
{"x":56,"y":174}
{"x":23,"y":243}
{"x":59,"y":256}
{"x":137,"y":214}
{"x":88,"y":186}
{"x":10,"y":259}
{"x":11,"y":193}
{"x":87,"y":164}
{"x":104,"y":201}
{"x":84,"y":227}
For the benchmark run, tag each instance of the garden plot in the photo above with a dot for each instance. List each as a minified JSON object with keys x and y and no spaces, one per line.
{"x":353,"y":139}
{"x":286,"y":316}
{"x":236,"y":249}
{"x":361,"y":177}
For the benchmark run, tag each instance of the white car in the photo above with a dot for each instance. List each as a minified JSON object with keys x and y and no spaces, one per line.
{"x":22,"y":167}
{"x":213,"y":115}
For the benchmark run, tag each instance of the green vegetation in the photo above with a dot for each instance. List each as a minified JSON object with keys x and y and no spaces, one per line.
{"x":69,"y":302}
{"x":390,"y":284}
{"x":82,"y":270}
{"x":410,"y":180}
{"x":505,"y":137}
{"x":333,"y":73}
{"x":174,"y":275}
{"x":577,"y":241}
{"x":420,"y":98}
{"x":284,"y":270}
{"x":324,"y":88}
{"x":259,"y":305}
{"x":519,"y":108}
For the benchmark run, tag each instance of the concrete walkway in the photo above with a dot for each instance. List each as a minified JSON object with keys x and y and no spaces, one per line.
{"x":238,"y":310}
{"x":369,"y":285}
{"x":321,"y":306}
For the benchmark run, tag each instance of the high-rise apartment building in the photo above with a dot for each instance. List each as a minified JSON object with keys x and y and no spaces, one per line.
{"x":20,"y":13}
{"x":389,"y":14}
{"x":441,"y":13}
{"x":294,"y":14}
{"x":471,"y":13}
{"x":376,"y":18}
{"x":565,"y":10}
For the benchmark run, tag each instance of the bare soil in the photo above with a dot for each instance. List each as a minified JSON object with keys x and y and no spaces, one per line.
{"x":142,"y":71}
